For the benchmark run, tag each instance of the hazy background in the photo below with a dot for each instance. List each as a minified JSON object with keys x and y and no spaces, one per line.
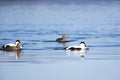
{"x":38,"y":23}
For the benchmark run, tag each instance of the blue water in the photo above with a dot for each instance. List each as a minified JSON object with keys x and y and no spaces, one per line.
{"x":38,"y":23}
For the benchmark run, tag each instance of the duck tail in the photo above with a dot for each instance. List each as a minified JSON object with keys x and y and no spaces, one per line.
{"x":2,"y":47}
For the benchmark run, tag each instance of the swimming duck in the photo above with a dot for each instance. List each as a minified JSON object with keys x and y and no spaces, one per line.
{"x":82,"y":46}
{"x":13,"y":46}
{"x":63,"y":39}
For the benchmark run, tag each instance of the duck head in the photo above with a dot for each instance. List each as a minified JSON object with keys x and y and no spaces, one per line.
{"x":82,"y":45}
{"x":64,"y":37}
{"x":18,"y":44}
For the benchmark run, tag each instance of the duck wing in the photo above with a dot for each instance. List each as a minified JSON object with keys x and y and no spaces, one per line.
{"x":73,"y":47}
{"x":9,"y":45}
{"x":59,"y":39}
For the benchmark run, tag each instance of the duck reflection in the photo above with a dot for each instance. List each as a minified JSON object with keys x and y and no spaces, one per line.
{"x":81,"y":53}
{"x":17,"y":54}
{"x":63,"y":43}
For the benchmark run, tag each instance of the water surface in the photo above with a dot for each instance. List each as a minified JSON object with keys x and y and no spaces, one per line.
{"x":37,"y":24}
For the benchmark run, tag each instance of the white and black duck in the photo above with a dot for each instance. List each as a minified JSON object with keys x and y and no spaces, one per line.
{"x":13,"y":46}
{"x":82,"y":46}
